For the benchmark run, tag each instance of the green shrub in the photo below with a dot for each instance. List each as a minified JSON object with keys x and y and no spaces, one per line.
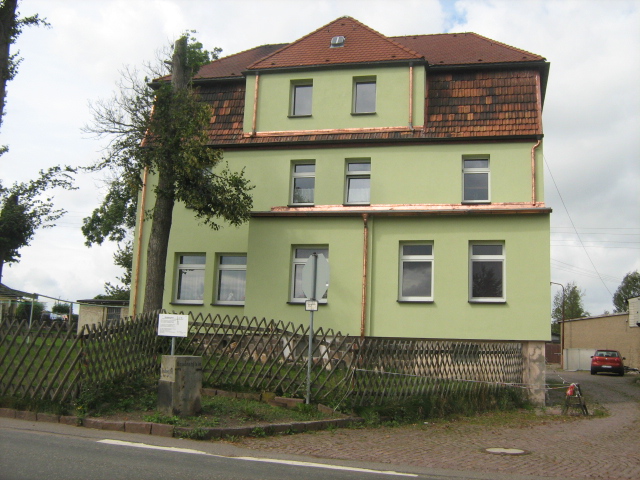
{"x":455,"y":401}
{"x":137,"y":392}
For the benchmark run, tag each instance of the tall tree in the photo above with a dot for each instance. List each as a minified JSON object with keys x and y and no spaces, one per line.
{"x":629,"y":288}
{"x":164,"y":131}
{"x":11,"y":26}
{"x":23,"y":210}
{"x":573,"y":306}
{"x":123,"y":257}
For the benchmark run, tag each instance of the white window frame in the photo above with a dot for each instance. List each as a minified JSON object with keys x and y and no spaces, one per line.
{"x":180,"y":267}
{"x":295,"y":175}
{"x":372,"y":80}
{"x":356,"y":174}
{"x":413,"y":258}
{"x":298,"y":263}
{"x":478,"y":258}
{"x":476,"y":171}
{"x":295,"y":85}
{"x":229,"y":267}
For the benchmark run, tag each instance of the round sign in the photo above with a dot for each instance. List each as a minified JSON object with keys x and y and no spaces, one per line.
{"x":315,"y":273}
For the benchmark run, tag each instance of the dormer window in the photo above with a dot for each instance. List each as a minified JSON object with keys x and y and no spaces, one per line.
{"x":337,"y":41}
{"x":301,"y":96}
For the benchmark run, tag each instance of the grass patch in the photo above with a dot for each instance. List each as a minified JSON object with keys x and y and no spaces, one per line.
{"x":233,"y":411}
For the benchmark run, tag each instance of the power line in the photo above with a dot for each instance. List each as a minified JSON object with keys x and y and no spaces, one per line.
{"x":573,"y":225}
{"x":567,"y":267}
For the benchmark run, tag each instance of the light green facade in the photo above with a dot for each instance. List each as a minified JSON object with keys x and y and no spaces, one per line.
{"x":399,"y":175}
{"x":411,"y":174}
{"x":415,"y":178}
{"x":332,"y":99}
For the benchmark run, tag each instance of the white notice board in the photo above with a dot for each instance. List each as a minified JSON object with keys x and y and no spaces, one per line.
{"x":170,"y":325}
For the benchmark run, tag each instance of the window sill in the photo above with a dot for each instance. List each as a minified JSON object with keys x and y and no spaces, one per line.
{"x":320,"y":304}
{"x":356,"y":204}
{"x":500,"y":301}
{"x":415,"y":301}
{"x":194,"y":304}
{"x":299,"y":116}
{"x":227,"y":304}
{"x":357,"y":114}
{"x":295,"y":205}
{"x":476,"y":202}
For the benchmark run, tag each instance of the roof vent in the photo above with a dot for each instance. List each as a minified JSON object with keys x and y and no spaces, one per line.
{"x":337,"y":41}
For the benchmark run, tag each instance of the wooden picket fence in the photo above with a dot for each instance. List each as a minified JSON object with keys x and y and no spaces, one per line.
{"x":49,"y":362}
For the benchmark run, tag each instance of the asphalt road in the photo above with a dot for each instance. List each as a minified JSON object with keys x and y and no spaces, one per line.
{"x":30,"y":451}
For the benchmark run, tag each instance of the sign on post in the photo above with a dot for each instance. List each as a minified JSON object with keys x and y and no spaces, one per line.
{"x":170,"y":325}
{"x":173,"y":325}
{"x":315,"y":282}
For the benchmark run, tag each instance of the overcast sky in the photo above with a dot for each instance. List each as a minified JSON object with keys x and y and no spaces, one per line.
{"x":591,"y":112}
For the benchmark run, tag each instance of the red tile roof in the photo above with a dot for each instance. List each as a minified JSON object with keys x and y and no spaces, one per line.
{"x":473,"y":102}
{"x":361,"y":45}
{"x":235,"y":65}
{"x":464,"y":49}
{"x":364,"y":45}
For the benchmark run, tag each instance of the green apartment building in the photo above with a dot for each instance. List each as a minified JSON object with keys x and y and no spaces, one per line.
{"x":414,"y":164}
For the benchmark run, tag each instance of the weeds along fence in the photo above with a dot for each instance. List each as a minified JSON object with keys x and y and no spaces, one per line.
{"x":50,"y":363}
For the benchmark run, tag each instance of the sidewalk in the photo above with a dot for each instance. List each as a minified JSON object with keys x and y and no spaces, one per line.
{"x":598,"y":448}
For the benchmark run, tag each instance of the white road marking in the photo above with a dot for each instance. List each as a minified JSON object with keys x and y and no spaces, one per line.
{"x":256,"y":459}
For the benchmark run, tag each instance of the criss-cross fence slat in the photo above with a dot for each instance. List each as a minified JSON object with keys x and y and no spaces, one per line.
{"x":52,"y":363}
{"x":111,"y":351}
{"x":391,"y":368}
{"x":37,"y":361}
{"x":265,"y":354}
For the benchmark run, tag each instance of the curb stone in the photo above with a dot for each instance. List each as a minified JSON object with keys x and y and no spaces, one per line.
{"x":7,"y":413}
{"x":164,"y":430}
{"x":138,"y":427}
{"x":48,"y":417}
{"x":26,"y":415}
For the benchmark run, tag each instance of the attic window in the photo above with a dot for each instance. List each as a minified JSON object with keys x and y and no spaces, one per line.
{"x":337,"y":41}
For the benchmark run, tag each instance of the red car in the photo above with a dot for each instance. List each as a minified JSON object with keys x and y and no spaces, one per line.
{"x":607,"y":361}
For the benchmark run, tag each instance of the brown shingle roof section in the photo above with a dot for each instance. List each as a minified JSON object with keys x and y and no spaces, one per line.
{"x":362,"y":45}
{"x":464,"y":49}
{"x":483,"y":103}
{"x":227,"y":104}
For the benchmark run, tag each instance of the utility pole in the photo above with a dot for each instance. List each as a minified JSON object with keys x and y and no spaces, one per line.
{"x":561,"y":326}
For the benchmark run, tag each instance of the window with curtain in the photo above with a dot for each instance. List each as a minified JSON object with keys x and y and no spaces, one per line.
{"x":190,"y":279}
{"x":232,"y":279}
{"x":358,"y":182}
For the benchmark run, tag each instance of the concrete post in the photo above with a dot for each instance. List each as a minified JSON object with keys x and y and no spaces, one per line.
{"x":534,"y":375}
{"x":180,"y":384}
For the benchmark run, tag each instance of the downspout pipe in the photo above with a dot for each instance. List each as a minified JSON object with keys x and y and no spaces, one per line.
{"x":254,"y":120}
{"x":411,"y":96}
{"x":533,"y":172}
{"x":365,"y":255}
{"x":139,"y":249}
